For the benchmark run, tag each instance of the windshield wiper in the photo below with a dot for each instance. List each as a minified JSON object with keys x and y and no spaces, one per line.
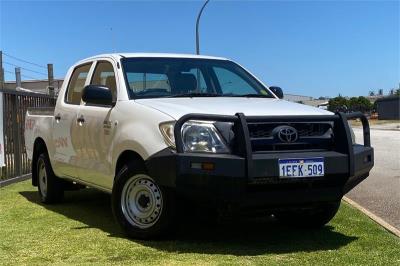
{"x":250,"y":95}
{"x":195,"y":94}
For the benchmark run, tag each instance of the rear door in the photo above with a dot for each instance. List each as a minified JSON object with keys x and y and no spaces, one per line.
{"x":97,"y":130}
{"x":68,"y":149}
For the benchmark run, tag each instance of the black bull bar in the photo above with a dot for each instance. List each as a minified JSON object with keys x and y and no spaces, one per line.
{"x":341,"y":130}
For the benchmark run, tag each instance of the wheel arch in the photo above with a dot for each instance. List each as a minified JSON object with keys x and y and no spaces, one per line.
{"x":125,"y":157}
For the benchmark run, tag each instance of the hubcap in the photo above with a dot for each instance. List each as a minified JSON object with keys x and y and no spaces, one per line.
{"x":141,"y":201}
{"x":42,"y":176}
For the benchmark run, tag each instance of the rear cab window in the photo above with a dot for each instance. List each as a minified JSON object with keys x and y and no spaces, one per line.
{"x":76,"y":84}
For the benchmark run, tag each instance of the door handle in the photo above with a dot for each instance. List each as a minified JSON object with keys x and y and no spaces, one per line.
{"x":80,"y":119}
{"x":57,"y":117}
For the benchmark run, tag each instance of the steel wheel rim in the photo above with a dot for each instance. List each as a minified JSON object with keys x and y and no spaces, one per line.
{"x":42,"y":177}
{"x":141,"y":201}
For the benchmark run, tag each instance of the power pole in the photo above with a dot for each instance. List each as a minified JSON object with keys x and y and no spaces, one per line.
{"x":17,"y":77}
{"x":1,"y":71}
{"x":50,"y":78}
{"x":197,"y":27}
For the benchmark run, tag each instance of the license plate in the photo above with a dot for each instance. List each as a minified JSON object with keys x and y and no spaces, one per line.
{"x":308,"y":167}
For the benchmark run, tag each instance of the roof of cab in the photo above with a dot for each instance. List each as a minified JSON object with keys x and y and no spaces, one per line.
{"x":164,"y":55}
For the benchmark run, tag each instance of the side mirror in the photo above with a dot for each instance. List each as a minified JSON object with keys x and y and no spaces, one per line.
{"x":277,"y":91}
{"x":97,"y":95}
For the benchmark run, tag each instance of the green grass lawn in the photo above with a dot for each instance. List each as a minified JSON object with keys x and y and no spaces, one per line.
{"x":82,"y":231}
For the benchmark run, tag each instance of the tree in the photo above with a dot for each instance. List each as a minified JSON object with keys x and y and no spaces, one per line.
{"x":353,"y":104}
{"x":338,"y":104}
{"x":364,"y":105}
{"x":375,"y":106}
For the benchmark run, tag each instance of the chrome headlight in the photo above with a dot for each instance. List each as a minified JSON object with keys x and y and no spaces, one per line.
{"x":201,"y":136}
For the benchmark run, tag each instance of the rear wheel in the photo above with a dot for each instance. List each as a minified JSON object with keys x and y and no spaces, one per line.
{"x":309,"y":218}
{"x":142,"y":207}
{"x":49,"y":185}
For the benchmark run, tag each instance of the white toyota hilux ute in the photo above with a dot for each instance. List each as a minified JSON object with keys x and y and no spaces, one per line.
{"x":155,"y":130}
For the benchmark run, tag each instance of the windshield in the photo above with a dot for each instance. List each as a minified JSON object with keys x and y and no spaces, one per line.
{"x":186,"y":77}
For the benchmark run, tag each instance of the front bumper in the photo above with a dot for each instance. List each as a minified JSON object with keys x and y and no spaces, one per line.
{"x":253,"y":179}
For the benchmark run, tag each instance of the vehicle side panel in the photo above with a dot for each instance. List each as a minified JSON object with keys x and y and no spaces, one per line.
{"x":38,"y":126}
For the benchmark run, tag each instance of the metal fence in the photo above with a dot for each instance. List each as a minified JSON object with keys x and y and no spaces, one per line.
{"x":15,"y":105}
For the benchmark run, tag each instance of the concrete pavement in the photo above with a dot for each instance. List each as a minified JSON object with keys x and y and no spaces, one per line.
{"x":380,"y":192}
{"x":386,"y":126}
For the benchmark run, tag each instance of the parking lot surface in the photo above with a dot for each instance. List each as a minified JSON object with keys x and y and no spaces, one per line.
{"x":380,"y":192}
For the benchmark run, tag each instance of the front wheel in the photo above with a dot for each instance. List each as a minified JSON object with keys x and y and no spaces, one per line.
{"x":142,"y":208}
{"x":309,"y":218}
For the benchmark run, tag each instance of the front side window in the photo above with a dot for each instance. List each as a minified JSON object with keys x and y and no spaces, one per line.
{"x":186,"y":77}
{"x":104,"y":75}
{"x":76,"y":84}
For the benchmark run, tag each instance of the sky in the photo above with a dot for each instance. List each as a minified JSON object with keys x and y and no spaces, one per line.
{"x":314,"y":48}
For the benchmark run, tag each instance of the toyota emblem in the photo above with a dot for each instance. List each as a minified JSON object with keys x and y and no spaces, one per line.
{"x":287,"y":134}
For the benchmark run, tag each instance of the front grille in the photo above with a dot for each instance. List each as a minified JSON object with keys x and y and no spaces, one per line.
{"x":315,"y":135}
{"x":264,"y":130}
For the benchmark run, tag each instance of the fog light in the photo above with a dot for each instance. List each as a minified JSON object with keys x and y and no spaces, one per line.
{"x":367,"y":159}
{"x":207,"y":166}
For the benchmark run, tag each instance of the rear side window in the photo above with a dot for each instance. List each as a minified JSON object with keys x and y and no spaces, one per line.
{"x":104,"y":75}
{"x":76,"y":84}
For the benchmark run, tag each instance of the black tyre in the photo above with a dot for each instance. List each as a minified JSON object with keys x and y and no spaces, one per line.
{"x":309,"y":218}
{"x":141,"y":207}
{"x":50,"y":187}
